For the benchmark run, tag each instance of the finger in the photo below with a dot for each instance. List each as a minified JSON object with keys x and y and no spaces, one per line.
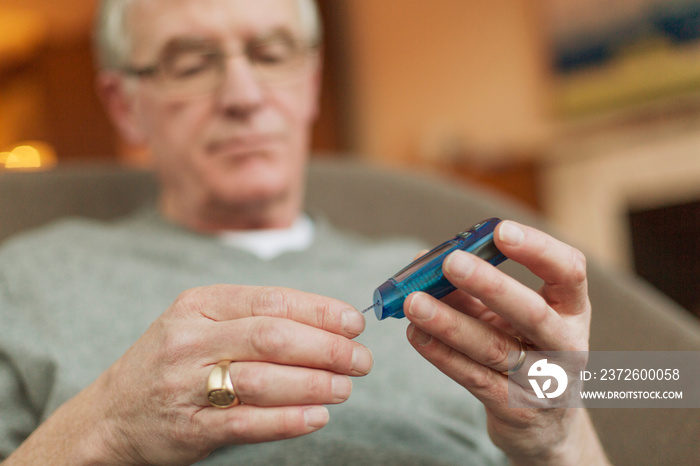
{"x":487,"y":385}
{"x":523,"y":308}
{"x":473,"y":307}
{"x":283,"y":341}
{"x":420,"y":254}
{"x":263,"y":384}
{"x":478,"y":340}
{"x":562,"y":267}
{"x":246,"y":424}
{"x":229,"y":302}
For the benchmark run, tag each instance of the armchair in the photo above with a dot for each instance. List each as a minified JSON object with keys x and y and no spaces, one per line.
{"x":628,"y":314}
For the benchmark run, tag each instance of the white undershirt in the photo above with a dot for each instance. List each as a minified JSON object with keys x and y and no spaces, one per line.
{"x":268,"y":244}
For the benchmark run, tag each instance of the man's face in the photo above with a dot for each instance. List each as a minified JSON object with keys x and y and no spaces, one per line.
{"x":244,"y":143}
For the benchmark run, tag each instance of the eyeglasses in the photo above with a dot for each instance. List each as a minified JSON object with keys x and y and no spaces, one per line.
{"x":188,"y":68}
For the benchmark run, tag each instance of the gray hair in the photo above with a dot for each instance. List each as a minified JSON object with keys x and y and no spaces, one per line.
{"x":112,"y":40}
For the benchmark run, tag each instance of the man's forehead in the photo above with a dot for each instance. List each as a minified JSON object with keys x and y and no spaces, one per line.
{"x":154,"y":22}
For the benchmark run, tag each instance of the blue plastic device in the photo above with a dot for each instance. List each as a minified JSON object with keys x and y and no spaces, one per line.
{"x":425,"y":273}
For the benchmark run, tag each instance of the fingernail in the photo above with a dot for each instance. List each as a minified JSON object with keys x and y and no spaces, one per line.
{"x":352,"y":321}
{"x":361,"y":360}
{"x":459,"y":264}
{"x":418,"y":336}
{"x":511,"y":234}
{"x":341,"y":386}
{"x":421,"y":307}
{"x":316,"y":416}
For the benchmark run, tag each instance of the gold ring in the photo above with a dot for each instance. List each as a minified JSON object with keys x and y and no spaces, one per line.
{"x":220,"y":387}
{"x":521,"y":359}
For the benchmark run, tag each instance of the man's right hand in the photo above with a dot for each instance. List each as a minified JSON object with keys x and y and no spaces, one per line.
{"x":292,"y":353}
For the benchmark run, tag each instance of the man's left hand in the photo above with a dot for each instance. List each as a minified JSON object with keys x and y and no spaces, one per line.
{"x":469,"y":334}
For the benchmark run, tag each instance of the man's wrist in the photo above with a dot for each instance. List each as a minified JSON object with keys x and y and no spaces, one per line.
{"x":75,"y":434}
{"x":580,"y":446}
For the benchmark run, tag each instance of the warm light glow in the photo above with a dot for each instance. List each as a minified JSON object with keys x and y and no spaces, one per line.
{"x":29,"y":155}
{"x":23,"y":157}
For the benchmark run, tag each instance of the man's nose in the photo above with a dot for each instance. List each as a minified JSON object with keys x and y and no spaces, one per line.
{"x":241,"y":92}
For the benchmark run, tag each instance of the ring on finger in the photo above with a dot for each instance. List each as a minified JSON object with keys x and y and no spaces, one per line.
{"x":521,"y":359}
{"x":220,"y":391}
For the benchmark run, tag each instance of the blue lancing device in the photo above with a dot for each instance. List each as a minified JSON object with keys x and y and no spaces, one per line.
{"x":425,"y":273}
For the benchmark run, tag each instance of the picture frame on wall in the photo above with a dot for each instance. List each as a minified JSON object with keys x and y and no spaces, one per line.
{"x":613,"y":54}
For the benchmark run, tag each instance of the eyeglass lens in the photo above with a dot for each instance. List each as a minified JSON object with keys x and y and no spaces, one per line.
{"x":192,"y":67}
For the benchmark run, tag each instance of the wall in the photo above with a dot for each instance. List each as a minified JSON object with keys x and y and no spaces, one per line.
{"x":431,"y":77}
{"x":49,"y":95}
{"x":66,"y":22}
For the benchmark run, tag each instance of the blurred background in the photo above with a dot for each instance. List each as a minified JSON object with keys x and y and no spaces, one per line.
{"x":587,"y":111}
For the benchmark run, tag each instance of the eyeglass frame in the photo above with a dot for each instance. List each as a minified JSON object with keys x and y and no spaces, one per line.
{"x":305,"y":48}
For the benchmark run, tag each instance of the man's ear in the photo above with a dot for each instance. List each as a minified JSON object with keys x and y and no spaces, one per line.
{"x":318,"y":85}
{"x":120,"y":106}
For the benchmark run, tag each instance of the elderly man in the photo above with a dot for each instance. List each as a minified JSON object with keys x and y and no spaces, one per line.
{"x":99,"y":365}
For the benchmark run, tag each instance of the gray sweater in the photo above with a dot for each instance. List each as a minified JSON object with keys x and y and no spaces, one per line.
{"x":74,"y":296}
